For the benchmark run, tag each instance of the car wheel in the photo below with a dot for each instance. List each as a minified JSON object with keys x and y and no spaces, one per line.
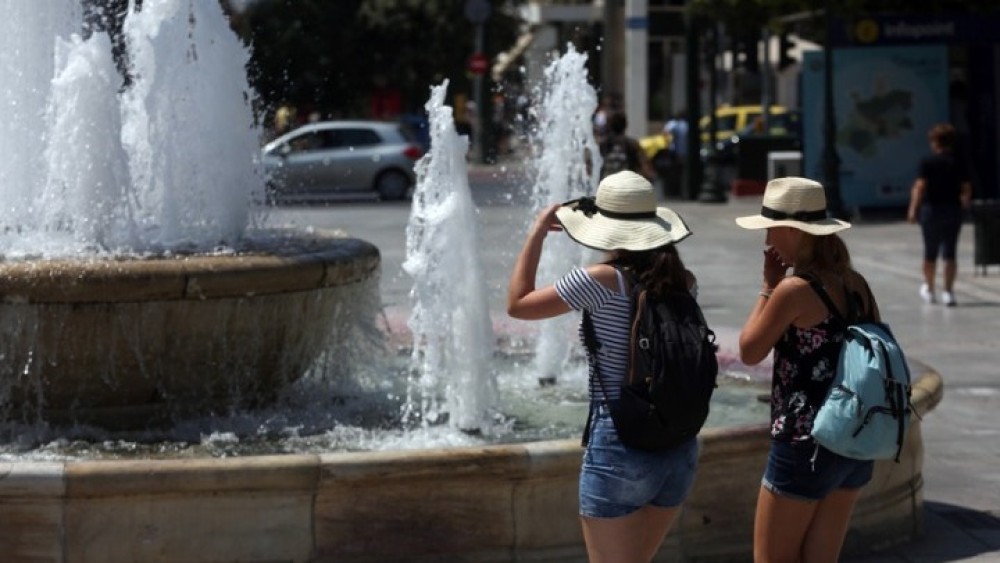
{"x":392,"y":184}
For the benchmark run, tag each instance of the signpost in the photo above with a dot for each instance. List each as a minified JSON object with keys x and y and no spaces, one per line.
{"x":478,"y":64}
{"x":477,"y":12}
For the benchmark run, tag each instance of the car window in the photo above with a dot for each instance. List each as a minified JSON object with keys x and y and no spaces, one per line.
{"x":407,"y":133}
{"x":725,"y":123}
{"x":306,"y":142}
{"x":784,"y":124}
{"x":356,"y":138}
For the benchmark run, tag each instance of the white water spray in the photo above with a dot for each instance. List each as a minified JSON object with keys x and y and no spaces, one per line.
{"x":565,"y":139}
{"x":450,"y":321}
{"x":170,"y":163}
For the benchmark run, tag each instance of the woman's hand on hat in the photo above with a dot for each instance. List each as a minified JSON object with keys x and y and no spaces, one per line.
{"x":546,"y":220}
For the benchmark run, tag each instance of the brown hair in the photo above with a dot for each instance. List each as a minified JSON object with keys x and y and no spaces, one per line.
{"x":828,"y":253}
{"x":944,"y":135}
{"x":661,"y":269}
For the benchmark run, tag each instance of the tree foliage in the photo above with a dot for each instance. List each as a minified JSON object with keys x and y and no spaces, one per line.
{"x":330,"y":55}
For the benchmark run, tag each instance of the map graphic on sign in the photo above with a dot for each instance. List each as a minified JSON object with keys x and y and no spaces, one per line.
{"x":883,"y":114}
{"x":884,"y":101}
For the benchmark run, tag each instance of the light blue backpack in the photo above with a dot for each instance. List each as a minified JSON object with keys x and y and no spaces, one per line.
{"x":867,"y":411}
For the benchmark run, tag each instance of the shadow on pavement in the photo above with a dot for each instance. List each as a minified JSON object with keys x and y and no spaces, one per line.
{"x":951,"y":533}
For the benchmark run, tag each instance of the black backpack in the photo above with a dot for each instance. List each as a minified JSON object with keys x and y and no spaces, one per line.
{"x":618,"y":154}
{"x":671,"y":375}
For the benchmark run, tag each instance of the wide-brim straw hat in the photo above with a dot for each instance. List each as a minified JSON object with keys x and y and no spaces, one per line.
{"x":623,"y":216}
{"x":794,"y":202}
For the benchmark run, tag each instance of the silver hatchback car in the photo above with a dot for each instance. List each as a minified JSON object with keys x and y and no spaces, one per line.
{"x":320,"y":159}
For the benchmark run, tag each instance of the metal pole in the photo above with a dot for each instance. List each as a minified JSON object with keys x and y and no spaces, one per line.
{"x":636,"y":67}
{"x":711,"y":191}
{"x":477,"y":94}
{"x":692,"y":166}
{"x":477,"y":12}
{"x":831,"y":160}
{"x":765,"y":83}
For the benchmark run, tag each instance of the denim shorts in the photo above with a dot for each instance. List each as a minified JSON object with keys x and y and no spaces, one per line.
{"x":793,"y":472}
{"x":616,"y":480}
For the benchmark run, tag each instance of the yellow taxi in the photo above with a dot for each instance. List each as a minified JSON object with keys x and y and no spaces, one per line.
{"x":733,"y":120}
{"x":729,"y":121}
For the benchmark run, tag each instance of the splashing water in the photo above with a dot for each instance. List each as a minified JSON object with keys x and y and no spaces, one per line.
{"x":168,"y":163}
{"x":565,"y":139}
{"x":450,"y":322}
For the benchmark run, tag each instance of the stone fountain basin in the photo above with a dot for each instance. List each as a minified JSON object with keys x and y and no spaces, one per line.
{"x":490,"y":503}
{"x":121,"y":342}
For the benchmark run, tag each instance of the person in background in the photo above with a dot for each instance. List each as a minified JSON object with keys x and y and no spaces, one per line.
{"x":676,"y":129}
{"x":940,"y":194}
{"x":629,"y":498}
{"x":610,"y":103}
{"x":500,"y":121}
{"x":755,"y":127}
{"x":621,"y":152}
{"x":807,"y":492}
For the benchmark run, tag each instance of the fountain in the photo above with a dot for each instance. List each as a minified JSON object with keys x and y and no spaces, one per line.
{"x":564,"y":144}
{"x":126,"y":246}
{"x":478,"y":502}
{"x":452,"y":345}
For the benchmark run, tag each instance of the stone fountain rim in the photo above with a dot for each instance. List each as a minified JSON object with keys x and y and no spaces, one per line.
{"x":319,"y":498}
{"x":304,"y":262}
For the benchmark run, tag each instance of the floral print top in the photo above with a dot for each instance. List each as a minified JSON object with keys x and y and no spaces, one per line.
{"x":805,"y":360}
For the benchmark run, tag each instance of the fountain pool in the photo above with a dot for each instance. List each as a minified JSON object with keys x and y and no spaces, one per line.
{"x":475,"y":503}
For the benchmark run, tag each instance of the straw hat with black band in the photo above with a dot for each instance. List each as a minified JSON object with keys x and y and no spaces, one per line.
{"x":623,"y":216}
{"x":794,"y":202}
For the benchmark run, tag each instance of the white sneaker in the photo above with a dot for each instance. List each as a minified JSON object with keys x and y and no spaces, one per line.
{"x":948,"y":298}
{"x":926,"y":294}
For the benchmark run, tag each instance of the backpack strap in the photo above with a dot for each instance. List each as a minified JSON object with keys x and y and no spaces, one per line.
{"x":817,"y":286}
{"x":592,"y":345}
{"x":621,"y":282}
{"x":637,"y":300}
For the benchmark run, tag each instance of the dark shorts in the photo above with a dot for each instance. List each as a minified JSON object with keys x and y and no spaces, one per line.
{"x":616,"y":480}
{"x":940,"y":226}
{"x":807,"y":471}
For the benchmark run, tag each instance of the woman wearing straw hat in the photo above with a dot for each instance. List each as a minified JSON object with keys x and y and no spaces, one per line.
{"x":807,"y":492}
{"x":628,"y":497}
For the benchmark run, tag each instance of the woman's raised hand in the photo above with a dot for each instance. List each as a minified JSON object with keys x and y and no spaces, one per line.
{"x":774,"y":268}
{"x":546,"y":220}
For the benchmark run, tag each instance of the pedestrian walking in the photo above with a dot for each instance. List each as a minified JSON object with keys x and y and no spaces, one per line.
{"x":621,"y":152}
{"x":938,"y":199}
